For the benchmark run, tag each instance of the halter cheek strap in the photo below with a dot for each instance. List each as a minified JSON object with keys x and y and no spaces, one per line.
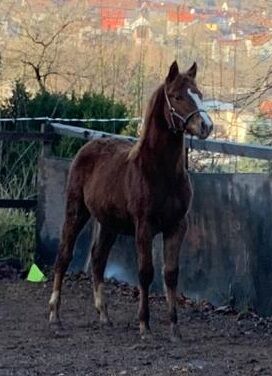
{"x":183,"y":120}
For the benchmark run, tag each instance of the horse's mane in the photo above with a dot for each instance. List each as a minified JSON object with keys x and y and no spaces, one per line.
{"x":156,"y":101}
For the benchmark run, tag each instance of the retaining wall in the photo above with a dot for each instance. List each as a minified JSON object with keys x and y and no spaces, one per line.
{"x":227,"y":253}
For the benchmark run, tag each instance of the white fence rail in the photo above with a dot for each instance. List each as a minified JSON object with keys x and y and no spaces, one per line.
{"x":90,"y":120}
{"x":213,"y":146}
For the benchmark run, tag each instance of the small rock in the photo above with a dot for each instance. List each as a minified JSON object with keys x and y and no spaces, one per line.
{"x":175,"y":368}
{"x":252,"y":360}
{"x":246,"y":315}
{"x":197,"y":364}
{"x":146,"y":362}
{"x":224,"y":309}
{"x":259,"y":369}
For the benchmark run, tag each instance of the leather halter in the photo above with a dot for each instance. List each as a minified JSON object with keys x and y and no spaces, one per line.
{"x":183,"y":121}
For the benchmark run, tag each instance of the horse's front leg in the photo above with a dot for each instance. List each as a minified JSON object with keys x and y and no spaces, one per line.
{"x":172,"y":244}
{"x":146,"y":273}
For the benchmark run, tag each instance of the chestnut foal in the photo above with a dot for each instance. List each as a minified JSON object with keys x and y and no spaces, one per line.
{"x":140,"y":189}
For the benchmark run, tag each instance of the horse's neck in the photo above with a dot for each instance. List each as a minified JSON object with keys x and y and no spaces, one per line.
{"x":162,"y":150}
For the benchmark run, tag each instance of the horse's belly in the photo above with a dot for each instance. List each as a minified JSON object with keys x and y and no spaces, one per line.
{"x":115,"y":218}
{"x":119,"y":225}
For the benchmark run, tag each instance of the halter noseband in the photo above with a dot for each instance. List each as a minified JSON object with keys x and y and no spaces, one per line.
{"x":183,"y":120}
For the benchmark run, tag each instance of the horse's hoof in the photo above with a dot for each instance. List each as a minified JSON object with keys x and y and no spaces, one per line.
{"x":147,"y":336}
{"x":106,"y":323}
{"x":176,"y":339}
{"x":57,"y":330}
{"x":54,"y":320}
{"x":104,"y":319}
{"x":175,"y":335}
{"x":145,"y":332}
{"x":55,"y":324}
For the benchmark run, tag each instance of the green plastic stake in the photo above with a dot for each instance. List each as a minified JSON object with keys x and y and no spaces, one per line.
{"x":35,"y":275}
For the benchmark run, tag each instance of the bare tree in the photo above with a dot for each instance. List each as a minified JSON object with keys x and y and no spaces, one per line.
{"x":38,"y":51}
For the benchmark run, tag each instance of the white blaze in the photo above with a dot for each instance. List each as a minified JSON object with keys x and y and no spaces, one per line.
{"x":200,"y":106}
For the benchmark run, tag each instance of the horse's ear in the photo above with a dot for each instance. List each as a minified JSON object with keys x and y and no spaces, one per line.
{"x":192,"y":71}
{"x":173,"y":72}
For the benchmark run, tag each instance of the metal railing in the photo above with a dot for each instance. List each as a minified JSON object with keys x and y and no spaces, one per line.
{"x":51,"y":127}
{"x":213,"y":146}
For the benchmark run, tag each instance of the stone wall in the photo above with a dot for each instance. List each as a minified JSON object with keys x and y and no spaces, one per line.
{"x":227,"y":253}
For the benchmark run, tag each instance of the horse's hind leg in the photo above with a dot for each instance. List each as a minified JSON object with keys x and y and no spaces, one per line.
{"x":103,"y":239}
{"x":146,"y":273}
{"x":172,"y":245}
{"x":75,"y":218}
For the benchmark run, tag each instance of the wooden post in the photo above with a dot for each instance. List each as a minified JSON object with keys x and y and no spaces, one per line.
{"x":187,"y":158}
{"x":1,"y":146}
{"x":47,"y":130}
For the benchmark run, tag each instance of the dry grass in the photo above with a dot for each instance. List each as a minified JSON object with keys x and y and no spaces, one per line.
{"x":17,"y":236}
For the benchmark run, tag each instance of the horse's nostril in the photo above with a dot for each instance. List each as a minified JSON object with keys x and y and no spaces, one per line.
{"x":206,"y":128}
{"x":211,"y":127}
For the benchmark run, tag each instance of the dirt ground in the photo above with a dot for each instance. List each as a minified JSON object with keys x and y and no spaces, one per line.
{"x":214,"y":341}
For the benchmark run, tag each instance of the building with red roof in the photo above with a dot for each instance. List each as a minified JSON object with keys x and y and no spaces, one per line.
{"x":266,"y":108}
{"x":112,"y":19}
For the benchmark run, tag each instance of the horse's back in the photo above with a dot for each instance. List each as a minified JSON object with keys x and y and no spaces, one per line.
{"x":104,"y":153}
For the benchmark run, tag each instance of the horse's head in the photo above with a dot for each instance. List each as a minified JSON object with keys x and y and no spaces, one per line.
{"x":184,"y":109}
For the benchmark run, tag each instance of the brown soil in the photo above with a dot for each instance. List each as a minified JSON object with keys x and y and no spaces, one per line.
{"x":214,"y":342}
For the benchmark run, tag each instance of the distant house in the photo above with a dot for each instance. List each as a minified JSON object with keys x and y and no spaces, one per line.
{"x":120,"y":4}
{"x":224,"y":48}
{"x":86,"y":33}
{"x":266,"y":108}
{"x":225,"y":7}
{"x":36,"y":6}
{"x":212,"y":26}
{"x":230,"y":124}
{"x":178,"y":20}
{"x":259,"y":45}
{"x":220,"y":23}
{"x":112,"y":19}
{"x":141,"y":30}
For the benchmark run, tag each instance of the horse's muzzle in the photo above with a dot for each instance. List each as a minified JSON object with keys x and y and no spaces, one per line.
{"x":205,"y":129}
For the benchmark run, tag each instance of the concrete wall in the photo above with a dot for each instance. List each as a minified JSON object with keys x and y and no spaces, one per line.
{"x":227,"y":253}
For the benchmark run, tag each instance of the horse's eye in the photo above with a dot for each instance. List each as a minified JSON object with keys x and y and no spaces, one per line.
{"x":178,"y":97}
